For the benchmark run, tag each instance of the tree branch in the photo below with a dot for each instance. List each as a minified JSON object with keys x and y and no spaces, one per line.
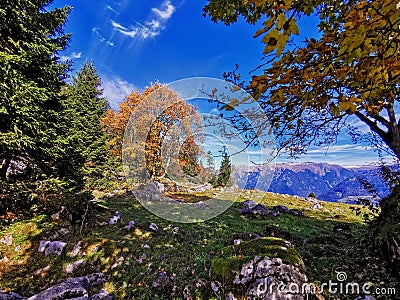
{"x":373,"y":126}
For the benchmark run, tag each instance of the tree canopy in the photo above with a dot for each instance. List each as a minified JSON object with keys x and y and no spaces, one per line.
{"x":83,"y":109}
{"x":51,"y":139}
{"x":31,"y":79}
{"x":225,"y":169}
{"x":142,"y":122}
{"x":309,"y":89}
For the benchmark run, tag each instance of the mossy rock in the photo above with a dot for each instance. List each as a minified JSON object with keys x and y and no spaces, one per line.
{"x":234,"y":257}
{"x":244,"y":236}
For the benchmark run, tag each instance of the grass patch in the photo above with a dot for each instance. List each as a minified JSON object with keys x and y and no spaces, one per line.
{"x":160,"y":265}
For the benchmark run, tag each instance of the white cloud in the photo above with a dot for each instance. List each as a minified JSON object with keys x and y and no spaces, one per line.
{"x":346,"y":154}
{"x":166,"y":10}
{"x":73,"y":55}
{"x":118,"y":26}
{"x":149,"y":29}
{"x":154,"y":24}
{"x":102,"y":38}
{"x":346,"y":148}
{"x":115,"y":90}
{"x":112,"y":9}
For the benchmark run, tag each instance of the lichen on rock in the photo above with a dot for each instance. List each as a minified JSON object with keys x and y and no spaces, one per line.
{"x":259,"y":262}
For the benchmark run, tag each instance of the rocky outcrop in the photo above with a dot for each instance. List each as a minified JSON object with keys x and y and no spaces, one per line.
{"x":79,"y":288}
{"x":73,"y":288}
{"x":153,"y":227}
{"x":10,"y":296}
{"x":249,"y":207}
{"x":130,"y":225}
{"x":52,"y":247}
{"x":7,"y":240}
{"x":266,"y":278}
{"x":152,"y":191}
{"x":255,"y":269}
{"x":102,"y":295}
{"x":315,"y":204}
{"x":115,"y":219}
{"x":72,"y":267}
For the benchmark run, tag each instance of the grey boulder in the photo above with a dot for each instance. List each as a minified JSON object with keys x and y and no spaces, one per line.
{"x":74,"y":288}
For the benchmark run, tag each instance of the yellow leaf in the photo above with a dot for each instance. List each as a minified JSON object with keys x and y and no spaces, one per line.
{"x":293,"y":28}
{"x":270,"y":37}
{"x":334,"y":110}
{"x":274,"y":40}
{"x":343,"y":106}
{"x":281,"y":44}
{"x":267,"y":26}
{"x":348,"y":106}
{"x":260,"y":32}
{"x":281,"y":21}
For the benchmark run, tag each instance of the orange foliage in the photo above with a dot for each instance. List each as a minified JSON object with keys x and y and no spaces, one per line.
{"x":149,"y":103}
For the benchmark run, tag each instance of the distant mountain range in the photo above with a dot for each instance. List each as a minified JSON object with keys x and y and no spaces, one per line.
{"x":328,"y":182}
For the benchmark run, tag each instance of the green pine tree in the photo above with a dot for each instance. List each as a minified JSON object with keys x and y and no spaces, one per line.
{"x":83,"y":108}
{"x":225,"y":169}
{"x":32,"y":139}
{"x":211,"y":172}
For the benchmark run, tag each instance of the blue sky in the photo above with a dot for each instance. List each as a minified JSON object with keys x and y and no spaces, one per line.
{"x":133,"y":43}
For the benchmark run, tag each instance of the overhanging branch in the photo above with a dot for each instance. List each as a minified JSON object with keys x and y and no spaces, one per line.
{"x":373,"y":126}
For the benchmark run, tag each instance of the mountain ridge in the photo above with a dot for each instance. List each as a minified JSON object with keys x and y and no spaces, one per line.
{"x":329,"y":182}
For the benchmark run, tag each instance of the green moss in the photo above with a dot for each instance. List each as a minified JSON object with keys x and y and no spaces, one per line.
{"x":234,"y":257}
{"x":227,"y":266}
{"x":265,"y":246}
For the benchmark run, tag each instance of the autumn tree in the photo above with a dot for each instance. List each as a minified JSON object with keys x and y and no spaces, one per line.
{"x":310,"y":90}
{"x":351,"y":69}
{"x":115,"y":122}
{"x":149,"y":123}
{"x":189,"y":157}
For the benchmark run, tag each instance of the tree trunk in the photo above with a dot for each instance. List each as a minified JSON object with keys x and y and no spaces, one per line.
{"x":396,"y":149}
{"x":394,"y":132}
{"x":4,"y":167}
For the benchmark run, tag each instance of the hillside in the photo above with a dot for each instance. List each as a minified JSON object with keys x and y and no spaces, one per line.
{"x":163,"y":262}
{"x":328,"y":182}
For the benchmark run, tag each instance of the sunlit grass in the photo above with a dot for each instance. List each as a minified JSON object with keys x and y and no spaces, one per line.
{"x":136,"y":258}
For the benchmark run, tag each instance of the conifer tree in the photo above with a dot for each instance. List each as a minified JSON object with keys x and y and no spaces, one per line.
{"x":31,"y":78}
{"x":84,"y":108}
{"x":225,"y":169}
